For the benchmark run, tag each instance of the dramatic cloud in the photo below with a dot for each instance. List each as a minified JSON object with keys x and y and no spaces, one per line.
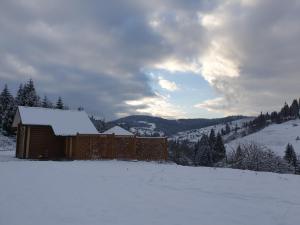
{"x":252,"y":60}
{"x":94,"y":53}
{"x":158,"y":106}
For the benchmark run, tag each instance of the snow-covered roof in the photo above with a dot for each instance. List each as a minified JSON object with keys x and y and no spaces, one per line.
{"x":118,"y":131}
{"x":63,"y":122}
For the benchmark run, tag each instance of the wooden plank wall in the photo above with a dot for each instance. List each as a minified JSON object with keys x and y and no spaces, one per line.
{"x":44,"y":144}
{"x":118,"y":147}
{"x":151,"y":148}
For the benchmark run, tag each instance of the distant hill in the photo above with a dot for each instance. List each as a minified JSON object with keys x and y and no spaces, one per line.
{"x":150,"y":124}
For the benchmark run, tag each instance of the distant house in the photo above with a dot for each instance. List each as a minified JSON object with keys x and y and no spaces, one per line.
{"x":44,"y":133}
{"x":66,"y":134}
{"x":118,"y":131}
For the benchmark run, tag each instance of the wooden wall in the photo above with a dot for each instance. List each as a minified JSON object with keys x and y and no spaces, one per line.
{"x":118,"y":147}
{"x":44,"y":144}
{"x":21,"y":142}
{"x":151,"y":148}
{"x":39,"y":142}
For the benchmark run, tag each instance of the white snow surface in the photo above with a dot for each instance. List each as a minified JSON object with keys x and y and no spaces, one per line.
{"x":143,"y":193}
{"x":117,"y":130}
{"x":275,"y":137}
{"x":7,"y":143}
{"x":63,"y":122}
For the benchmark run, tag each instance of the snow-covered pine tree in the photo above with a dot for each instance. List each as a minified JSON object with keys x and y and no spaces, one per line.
{"x":20,"y":96}
{"x":59,"y":103}
{"x":227,"y":128}
{"x":212,"y":138}
{"x":219,"y":150}
{"x":294,"y":109}
{"x":236,"y":128}
{"x":290,"y":156}
{"x":285,"y":111}
{"x":46,"y":103}
{"x":204,"y":152}
{"x":238,"y":156}
{"x":7,"y":110}
{"x":223,"y":132}
{"x":30,"y":96}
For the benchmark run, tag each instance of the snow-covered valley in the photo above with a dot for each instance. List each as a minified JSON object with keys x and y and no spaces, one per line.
{"x":120,"y":192}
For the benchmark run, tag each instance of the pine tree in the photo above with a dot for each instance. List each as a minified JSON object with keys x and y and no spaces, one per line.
{"x":219,"y":150}
{"x":30,"y":96}
{"x":290,"y":155}
{"x":204,"y":153}
{"x":227,"y":128}
{"x":236,"y":128}
{"x":238,"y":154}
{"x":285,"y":111}
{"x":59,"y":103}
{"x":294,"y":109}
{"x":20,"y":96}
{"x":7,"y":110}
{"x":46,"y":103}
{"x":223,"y":132}
{"x":212,"y":138}
{"x":274,"y":116}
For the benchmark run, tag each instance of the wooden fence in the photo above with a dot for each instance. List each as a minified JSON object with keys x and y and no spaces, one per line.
{"x":118,"y":147}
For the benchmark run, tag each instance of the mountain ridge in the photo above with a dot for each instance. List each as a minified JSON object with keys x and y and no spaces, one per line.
{"x":167,"y":126}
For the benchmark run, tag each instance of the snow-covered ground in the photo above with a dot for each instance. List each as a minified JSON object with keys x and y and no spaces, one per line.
{"x":7,"y":143}
{"x":275,"y":137}
{"x":142,"y":193}
{"x":196,"y":134}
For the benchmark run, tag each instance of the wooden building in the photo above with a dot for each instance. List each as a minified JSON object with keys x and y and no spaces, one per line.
{"x":66,"y":134}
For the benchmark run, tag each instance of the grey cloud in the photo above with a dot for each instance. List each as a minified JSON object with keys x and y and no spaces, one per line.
{"x":93,"y":53}
{"x":264,"y":38}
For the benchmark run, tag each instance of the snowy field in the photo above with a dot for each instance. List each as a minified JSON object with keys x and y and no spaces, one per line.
{"x":275,"y":137}
{"x":142,"y":193}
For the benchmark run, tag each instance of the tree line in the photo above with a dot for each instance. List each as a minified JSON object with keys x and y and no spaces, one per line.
{"x":208,"y":151}
{"x":25,"y":96}
{"x":287,"y":112}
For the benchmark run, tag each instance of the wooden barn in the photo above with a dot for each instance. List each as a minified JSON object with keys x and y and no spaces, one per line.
{"x":67,"y":134}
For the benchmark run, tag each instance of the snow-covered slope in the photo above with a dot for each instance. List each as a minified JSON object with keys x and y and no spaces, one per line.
{"x":196,"y":134}
{"x":275,"y":137}
{"x":148,"y":130}
{"x":141,"y":193}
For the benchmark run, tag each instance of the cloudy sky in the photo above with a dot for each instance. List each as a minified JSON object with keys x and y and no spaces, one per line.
{"x":169,"y":58}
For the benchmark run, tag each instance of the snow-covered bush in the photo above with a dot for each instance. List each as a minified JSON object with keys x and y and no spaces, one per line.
{"x":252,"y":156}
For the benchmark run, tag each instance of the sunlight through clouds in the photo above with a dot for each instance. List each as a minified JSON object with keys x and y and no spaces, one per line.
{"x":158,"y":105}
{"x":166,"y":84}
{"x":218,"y":61}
